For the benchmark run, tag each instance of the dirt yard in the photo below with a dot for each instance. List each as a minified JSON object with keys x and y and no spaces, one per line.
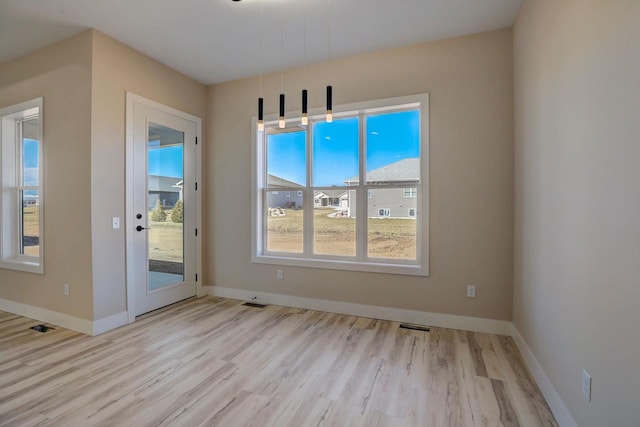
{"x":388,"y":237}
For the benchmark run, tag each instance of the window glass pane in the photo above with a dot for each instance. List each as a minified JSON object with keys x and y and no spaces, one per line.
{"x":393,"y":147}
{"x":286,"y":159}
{"x":284,"y":221}
{"x":30,"y":153}
{"x":334,"y":223}
{"x":335,"y":152}
{"x":165,"y":206}
{"x":30,"y":222}
{"x":391,"y":229}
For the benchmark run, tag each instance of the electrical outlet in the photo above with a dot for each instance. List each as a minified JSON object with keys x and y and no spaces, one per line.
{"x":66,"y":289}
{"x":279,"y":274}
{"x":586,"y":385}
{"x":115,"y":222}
{"x":471,"y":291}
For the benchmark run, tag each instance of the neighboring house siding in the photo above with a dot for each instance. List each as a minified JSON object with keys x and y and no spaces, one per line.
{"x":279,"y":199}
{"x":331,"y":198}
{"x":167,"y":200}
{"x":394,"y":202}
{"x":392,"y":199}
{"x":164,"y":188}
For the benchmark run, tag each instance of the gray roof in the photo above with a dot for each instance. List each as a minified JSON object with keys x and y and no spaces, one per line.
{"x":405,"y":170}
{"x":165,"y":184}
{"x":276,"y":181}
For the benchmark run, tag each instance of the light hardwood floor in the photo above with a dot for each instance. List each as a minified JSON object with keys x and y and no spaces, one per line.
{"x":215,"y":362}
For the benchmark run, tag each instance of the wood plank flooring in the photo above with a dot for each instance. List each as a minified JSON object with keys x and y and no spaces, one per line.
{"x":215,"y":362}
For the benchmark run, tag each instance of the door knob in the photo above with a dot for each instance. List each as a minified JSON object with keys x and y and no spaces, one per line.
{"x":140,"y":228}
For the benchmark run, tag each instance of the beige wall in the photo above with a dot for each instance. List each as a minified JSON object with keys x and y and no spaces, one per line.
{"x":84,"y":81}
{"x":61,"y":74}
{"x":469,"y":80}
{"x":577,"y":239}
{"x":116,"y":70}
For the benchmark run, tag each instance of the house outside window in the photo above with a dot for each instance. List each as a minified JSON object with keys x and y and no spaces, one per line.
{"x":22,"y":200}
{"x":410,"y":192}
{"x":365,"y":173}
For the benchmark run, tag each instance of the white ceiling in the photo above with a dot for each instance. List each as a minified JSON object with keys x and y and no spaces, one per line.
{"x":220,"y":40}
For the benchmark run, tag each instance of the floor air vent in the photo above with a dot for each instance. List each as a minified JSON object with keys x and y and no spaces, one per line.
{"x":415,"y":327}
{"x":254,"y":305}
{"x":41,"y":328}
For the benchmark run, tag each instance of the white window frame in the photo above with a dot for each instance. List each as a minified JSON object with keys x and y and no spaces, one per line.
{"x":414,"y":210}
{"x":412,"y":192}
{"x":386,"y":212}
{"x":12,"y":184}
{"x":419,"y":267}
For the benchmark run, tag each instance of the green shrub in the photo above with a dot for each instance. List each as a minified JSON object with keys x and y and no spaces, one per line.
{"x":158,"y":214}
{"x":177,"y":212}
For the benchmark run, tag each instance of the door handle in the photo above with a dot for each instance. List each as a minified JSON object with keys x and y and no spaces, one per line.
{"x":140,"y":228}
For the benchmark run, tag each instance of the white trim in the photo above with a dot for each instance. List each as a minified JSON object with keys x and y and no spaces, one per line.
{"x":11,"y":179}
{"x":500,"y":327}
{"x":48,"y":316}
{"x":476,"y":324}
{"x":63,"y":320}
{"x":111,"y":322}
{"x":559,"y":409}
{"x":360,"y":262}
{"x":131,"y":99}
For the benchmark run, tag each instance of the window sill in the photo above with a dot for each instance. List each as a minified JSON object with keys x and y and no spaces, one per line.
{"x":21,"y":265}
{"x":367,"y":267}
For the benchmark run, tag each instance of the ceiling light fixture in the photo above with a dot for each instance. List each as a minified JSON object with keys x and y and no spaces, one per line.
{"x":260,"y":99}
{"x":304,"y":120}
{"x":281,"y":122}
{"x":329,"y":114}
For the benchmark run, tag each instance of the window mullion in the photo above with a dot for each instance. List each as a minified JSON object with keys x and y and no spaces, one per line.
{"x":362,"y":199}
{"x":307,"y":229}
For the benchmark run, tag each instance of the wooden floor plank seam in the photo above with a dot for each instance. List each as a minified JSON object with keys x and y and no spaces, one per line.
{"x":213,"y":361}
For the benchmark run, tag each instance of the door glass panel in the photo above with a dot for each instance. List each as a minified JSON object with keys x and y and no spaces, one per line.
{"x":165,"y":208}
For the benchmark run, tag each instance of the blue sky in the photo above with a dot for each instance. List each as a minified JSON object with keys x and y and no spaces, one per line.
{"x":166,"y":161}
{"x":31,"y":161}
{"x":391,"y":137}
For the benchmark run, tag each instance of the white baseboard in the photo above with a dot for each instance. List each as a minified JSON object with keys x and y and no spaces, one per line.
{"x":77,"y":324}
{"x":499,"y":327}
{"x":559,"y":409}
{"x":48,"y":316}
{"x":111,"y":322}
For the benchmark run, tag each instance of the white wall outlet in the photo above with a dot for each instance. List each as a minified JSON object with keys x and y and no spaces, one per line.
{"x":586,"y":385}
{"x":115,"y":222}
{"x":279,"y":274}
{"x":66,"y":289}
{"x":471,"y":291}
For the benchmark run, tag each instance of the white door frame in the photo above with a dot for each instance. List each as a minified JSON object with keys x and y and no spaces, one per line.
{"x":132,"y":99}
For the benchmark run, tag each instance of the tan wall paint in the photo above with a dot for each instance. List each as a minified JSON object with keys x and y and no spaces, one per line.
{"x":116,"y":70}
{"x":577,"y":239}
{"x":60,"y":73}
{"x":471,"y":93}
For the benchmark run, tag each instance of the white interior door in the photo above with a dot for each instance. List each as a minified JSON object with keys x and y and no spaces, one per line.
{"x":162,"y":208}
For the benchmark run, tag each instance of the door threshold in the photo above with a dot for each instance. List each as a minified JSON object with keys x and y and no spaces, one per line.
{"x":166,"y":307}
